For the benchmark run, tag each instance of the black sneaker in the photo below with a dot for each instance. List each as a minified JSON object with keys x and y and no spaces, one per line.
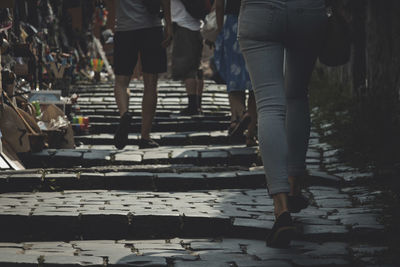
{"x":148,"y":143}
{"x":282,"y":232}
{"x":190,"y":112}
{"x":121,"y":135}
{"x":297,"y":203}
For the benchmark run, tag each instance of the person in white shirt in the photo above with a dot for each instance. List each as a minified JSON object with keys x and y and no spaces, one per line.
{"x":139,"y":30}
{"x":186,"y":55}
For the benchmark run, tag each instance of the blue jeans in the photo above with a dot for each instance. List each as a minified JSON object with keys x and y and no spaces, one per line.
{"x":280,"y":41}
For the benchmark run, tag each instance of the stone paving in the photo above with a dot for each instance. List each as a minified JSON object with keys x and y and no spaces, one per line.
{"x":198,"y":200}
{"x":180,"y":252}
{"x":99,"y":155}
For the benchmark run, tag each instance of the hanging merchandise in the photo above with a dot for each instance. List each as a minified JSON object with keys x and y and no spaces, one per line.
{"x":96,"y":64}
{"x":101,"y":13}
{"x":5,"y":19}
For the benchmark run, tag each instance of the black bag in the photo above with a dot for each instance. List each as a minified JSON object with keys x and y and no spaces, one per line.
{"x":152,"y":6}
{"x":337,"y":46}
{"x":198,"y":9}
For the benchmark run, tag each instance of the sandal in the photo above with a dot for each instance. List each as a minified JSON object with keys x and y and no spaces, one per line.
{"x":232,"y":126}
{"x":240,"y":126}
{"x":251,"y":141}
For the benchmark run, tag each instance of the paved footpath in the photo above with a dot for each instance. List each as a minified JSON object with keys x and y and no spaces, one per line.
{"x":198,"y":200}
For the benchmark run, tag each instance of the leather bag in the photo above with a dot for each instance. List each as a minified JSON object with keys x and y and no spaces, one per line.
{"x":336,"y":48}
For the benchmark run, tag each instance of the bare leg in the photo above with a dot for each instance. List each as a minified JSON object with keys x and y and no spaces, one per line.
{"x":122,"y":93}
{"x":237,"y":104}
{"x":200,"y":86}
{"x":280,"y":203}
{"x":194,"y":90}
{"x":149,"y":103}
{"x":191,"y":86}
{"x":251,"y":106}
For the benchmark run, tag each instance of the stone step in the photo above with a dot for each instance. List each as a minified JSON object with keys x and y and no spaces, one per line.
{"x":146,"y":177}
{"x":209,"y":101}
{"x":99,"y":155}
{"x":164,"y":86}
{"x":95,"y":155}
{"x":165,"y":138}
{"x":124,"y":214}
{"x":180,"y":252}
{"x":117,"y":214}
{"x":171,"y":110}
{"x":163,"y":92}
{"x":200,"y":155}
{"x":161,"y":126}
{"x":59,"y":180}
{"x":121,"y":214}
{"x":137,"y":118}
{"x":161,"y":114}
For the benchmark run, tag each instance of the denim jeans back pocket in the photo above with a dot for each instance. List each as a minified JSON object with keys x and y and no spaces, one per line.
{"x":259,"y":21}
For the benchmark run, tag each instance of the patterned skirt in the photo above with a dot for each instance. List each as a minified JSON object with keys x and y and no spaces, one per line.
{"x":229,"y":59}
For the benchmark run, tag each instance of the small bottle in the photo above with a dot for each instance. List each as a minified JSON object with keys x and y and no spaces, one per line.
{"x":36,"y":104}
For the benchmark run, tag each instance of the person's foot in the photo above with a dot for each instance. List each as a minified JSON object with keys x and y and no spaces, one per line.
{"x":121,"y":135}
{"x":251,"y":141}
{"x":297,"y":203}
{"x":282,"y":232}
{"x":190,"y":112}
{"x":238,"y":127}
{"x":232,"y":126}
{"x":147,"y":143}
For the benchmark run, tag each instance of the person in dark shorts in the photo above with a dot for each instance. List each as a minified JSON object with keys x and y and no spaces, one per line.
{"x":186,"y":55}
{"x":138,"y":30}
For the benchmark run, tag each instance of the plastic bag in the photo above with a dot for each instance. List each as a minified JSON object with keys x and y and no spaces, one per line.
{"x":210,"y":28}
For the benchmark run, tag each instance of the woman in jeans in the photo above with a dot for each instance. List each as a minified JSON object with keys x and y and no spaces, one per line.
{"x":280,"y":41}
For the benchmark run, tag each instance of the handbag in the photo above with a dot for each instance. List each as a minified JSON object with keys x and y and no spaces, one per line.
{"x":209,"y":31}
{"x":336,"y":48}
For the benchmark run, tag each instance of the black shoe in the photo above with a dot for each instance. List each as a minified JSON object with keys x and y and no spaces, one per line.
{"x":282,"y":232}
{"x":121,"y":135}
{"x":148,"y":143}
{"x":190,"y":112}
{"x":297,"y":203}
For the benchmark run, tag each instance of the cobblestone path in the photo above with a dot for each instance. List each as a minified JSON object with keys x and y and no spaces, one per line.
{"x":198,"y":200}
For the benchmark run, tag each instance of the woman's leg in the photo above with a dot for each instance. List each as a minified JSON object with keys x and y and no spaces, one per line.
{"x":252,"y":108}
{"x":237,"y":104}
{"x":305,"y":39}
{"x":261,"y":33}
{"x":261,"y":28}
{"x":265,"y":64}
